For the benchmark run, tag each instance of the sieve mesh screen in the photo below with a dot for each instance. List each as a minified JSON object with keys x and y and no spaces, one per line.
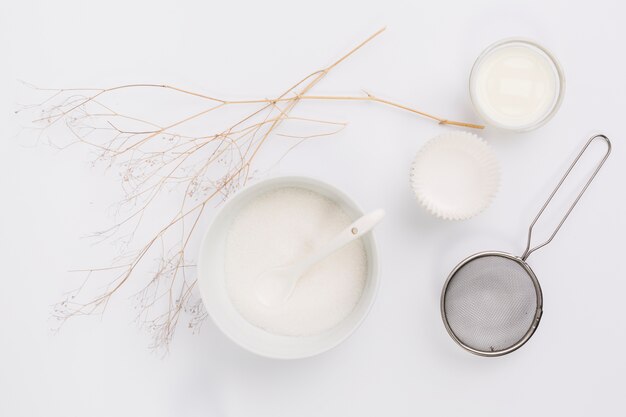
{"x":490,"y":303}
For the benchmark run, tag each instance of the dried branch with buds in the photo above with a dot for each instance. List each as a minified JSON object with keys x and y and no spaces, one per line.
{"x":156,"y":157}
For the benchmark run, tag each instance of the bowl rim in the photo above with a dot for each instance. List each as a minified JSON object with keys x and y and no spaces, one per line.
{"x":534,"y":44}
{"x":374,"y":269}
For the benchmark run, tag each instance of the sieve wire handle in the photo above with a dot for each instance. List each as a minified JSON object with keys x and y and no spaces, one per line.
{"x":530,"y":250}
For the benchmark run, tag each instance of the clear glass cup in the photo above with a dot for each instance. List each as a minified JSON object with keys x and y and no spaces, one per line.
{"x":483,"y":109}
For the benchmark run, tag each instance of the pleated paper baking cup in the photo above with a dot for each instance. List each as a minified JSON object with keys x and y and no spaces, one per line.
{"x":455,"y":175}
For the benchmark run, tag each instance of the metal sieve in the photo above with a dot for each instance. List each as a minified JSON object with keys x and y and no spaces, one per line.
{"x":491,"y":303}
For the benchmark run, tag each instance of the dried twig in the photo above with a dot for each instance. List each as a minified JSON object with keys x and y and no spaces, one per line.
{"x":155,"y":157}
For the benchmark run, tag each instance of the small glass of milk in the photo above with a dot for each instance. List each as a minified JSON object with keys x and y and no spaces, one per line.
{"x":516,"y":84}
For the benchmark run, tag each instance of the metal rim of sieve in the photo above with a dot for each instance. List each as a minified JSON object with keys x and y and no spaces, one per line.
{"x":538,"y":311}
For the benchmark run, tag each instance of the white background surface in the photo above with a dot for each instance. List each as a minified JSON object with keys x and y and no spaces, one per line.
{"x":401,"y":361}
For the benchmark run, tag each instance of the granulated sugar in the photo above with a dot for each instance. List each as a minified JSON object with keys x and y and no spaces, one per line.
{"x":284,"y":226}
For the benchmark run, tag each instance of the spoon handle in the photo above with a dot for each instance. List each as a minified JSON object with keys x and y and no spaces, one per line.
{"x":353,"y":232}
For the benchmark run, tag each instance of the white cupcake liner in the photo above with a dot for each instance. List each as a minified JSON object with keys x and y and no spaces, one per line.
{"x":455,"y":175}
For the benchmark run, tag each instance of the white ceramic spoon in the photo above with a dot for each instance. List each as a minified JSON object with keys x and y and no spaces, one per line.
{"x":276,"y":285}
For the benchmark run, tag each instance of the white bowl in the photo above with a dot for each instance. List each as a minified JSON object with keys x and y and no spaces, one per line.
{"x":212,"y":282}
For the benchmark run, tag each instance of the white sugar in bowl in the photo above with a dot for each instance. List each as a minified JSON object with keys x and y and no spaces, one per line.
{"x":215,"y":274}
